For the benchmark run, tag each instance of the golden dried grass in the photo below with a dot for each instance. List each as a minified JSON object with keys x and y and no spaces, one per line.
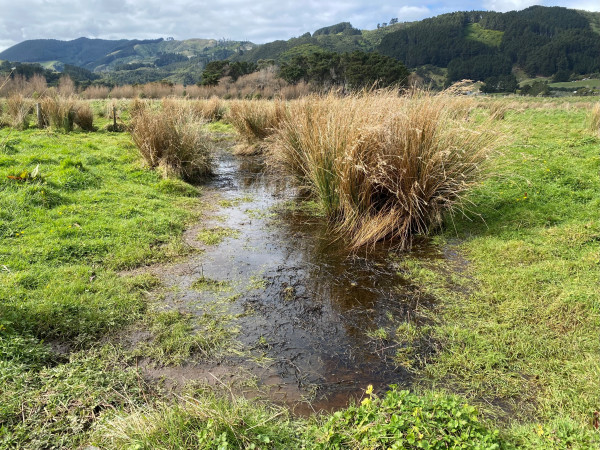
{"x":254,"y":120}
{"x":172,"y":139}
{"x":382,"y":167}
{"x":595,"y":118}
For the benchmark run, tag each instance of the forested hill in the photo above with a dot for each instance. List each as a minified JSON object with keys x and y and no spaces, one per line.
{"x":478,"y":44}
{"x":540,"y":40}
{"x":128,"y":61}
{"x":81,"y":52}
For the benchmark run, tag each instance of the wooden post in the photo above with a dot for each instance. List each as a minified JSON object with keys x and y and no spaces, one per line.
{"x":114,"y":118}
{"x":38,"y":111}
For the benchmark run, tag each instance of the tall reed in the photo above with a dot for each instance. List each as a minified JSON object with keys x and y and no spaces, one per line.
{"x":172,"y":139}
{"x":382,"y":167}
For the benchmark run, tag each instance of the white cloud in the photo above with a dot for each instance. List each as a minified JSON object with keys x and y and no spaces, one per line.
{"x":411,"y":13}
{"x":510,"y":5}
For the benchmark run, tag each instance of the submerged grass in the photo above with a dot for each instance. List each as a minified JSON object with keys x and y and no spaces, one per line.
{"x":381,"y":166}
{"x":216,"y":235}
{"x":179,"y":337}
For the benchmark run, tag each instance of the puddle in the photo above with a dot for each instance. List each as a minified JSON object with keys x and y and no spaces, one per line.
{"x":304,"y":303}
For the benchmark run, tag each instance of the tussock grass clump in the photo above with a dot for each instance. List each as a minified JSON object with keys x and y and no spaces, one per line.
{"x":595,"y":118}
{"x":213,"y":109}
{"x":171,"y":139}
{"x":59,"y":112}
{"x":254,"y":120}
{"x":84,"y":117}
{"x":18,"y":110}
{"x":382,"y":167}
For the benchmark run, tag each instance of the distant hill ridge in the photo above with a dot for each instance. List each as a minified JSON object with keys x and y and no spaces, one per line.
{"x":547,"y":41}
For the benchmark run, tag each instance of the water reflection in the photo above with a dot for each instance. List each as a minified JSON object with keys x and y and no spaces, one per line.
{"x":315,"y":300}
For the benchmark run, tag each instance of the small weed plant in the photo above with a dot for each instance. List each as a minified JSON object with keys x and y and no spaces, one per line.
{"x":402,"y":420}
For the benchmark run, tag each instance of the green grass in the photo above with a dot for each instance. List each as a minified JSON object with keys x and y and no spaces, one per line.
{"x":518,"y":328}
{"x":90,"y":211}
{"x":216,"y":235}
{"x":476,"y":32}
{"x":177,"y":337}
{"x":591,"y":83}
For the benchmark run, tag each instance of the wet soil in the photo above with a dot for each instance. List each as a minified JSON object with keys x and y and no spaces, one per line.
{"x":303,"y":304}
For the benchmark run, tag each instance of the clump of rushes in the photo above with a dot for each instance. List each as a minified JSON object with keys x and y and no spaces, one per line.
{"x":171,"y":139}
{"x":382,"y":167}
{"x":254,"y":120}
{"x":84,"y":116}
{"x":213,"y":109}
{"x":59,"y":112}
{"x":18,"y":110}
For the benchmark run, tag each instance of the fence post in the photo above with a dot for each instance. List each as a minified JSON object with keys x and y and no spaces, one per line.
{"x":114,"y":118}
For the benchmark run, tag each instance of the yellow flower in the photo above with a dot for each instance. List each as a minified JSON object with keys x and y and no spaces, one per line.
{"x":369,"y":390}
{"x":366,"y":402}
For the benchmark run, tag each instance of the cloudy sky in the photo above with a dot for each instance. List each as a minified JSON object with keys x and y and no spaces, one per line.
{"x":258,"y":21}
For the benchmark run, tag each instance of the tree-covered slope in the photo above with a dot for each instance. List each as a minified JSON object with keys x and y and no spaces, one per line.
{"x":479,"y":44}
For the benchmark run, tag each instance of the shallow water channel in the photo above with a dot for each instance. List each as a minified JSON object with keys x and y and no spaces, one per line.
{"x":303,"y":305}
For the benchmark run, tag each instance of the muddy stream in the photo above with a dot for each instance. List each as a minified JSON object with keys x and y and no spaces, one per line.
{"x":302,"y":304}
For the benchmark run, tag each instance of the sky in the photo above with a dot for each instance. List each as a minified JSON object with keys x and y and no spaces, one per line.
{"x":258,"y":21}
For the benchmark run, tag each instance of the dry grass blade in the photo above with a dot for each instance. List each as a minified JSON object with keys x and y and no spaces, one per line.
{"x":595,"y":118}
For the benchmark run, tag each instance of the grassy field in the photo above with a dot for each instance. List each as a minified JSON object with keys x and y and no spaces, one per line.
{"x":515,"y":328}
{"x":518,"y":320}
{"x":591,"y":83}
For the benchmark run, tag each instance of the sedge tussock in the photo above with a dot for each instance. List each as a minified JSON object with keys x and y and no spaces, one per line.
{"x":58,"y":112}
{"x":18,"y":110}
{"x":382,"y":167}
{"x":254,"y":120}
{"x":172,"y":139}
